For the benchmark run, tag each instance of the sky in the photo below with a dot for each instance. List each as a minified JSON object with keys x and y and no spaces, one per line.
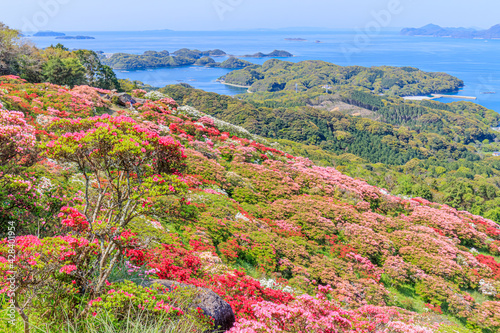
{"x":183,"y":15}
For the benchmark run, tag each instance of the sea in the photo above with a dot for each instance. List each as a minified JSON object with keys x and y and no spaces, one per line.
{"x":475,"y":61}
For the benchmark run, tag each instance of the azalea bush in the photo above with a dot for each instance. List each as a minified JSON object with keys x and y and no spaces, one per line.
{"x":127,"y":170}
{"x":33,"y":268}
{"x":17,"y":138}
{"x":319,"y":314}
{"x":122,"y":300}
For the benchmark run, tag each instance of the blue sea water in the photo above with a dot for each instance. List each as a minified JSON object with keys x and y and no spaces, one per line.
{"x":473,"y":60}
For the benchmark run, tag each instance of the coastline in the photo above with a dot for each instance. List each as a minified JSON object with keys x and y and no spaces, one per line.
{"x":416,"y":98}
{"x":234,"y":85}
{"x":437,"y":96}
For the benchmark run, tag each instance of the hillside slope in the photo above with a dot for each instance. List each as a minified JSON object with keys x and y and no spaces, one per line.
{"x":184,"y":196}
{"x":438,"y":151}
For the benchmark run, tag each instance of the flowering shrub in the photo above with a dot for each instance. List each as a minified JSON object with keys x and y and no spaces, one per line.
{"x":139,"y":93}
{"x":17,"y":138}
{"x":491,"y":263}
{"x":170,"y":262}
{"x":49,"y":99}
{"x":319,"y":314}
{"x":154,"y":95}
{"x":242,"y":292}
{"x":123,"y":297}
{"x":129,"y":166}
{"x":487,"y":317}
{"x":54,"y":266}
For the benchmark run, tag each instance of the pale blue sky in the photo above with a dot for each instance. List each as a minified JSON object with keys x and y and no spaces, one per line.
{"x":90,"y":15}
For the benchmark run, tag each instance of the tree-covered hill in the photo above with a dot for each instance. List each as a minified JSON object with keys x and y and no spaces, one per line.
{"x":443,"y":134}
{"x":277,"y":75}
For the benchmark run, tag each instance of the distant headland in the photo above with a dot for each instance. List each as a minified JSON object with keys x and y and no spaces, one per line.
{"x":432,"y":30}
{"x":57,"y":35}
{"x":48,"y":34}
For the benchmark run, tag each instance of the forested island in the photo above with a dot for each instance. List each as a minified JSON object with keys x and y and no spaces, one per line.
{"x":277,"y":75}
{"x":274,"y":54}
{"x":432,"y":30}
{"x":182,"y":57}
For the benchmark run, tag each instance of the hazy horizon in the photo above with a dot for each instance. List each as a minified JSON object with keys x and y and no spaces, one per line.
{"x":216,"y":15}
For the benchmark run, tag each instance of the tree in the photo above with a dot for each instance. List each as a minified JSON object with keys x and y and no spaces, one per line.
{"x":97,"y":74}
{"x":422,"y":191}
{"x":128,"y":171}
{"x":107,"y":79}
{"x":67,"y":71}
{"x":18,"y":57}
{"x":8,"y":40}
{"x":460,"y":194}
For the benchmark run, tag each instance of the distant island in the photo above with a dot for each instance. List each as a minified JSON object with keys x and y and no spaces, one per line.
{"x":233,"y":63}
{"x":296,"y":39}
{"x":196,"y":54}
{"x":48,"y":34}
{"x":274,"y":54}
{"x":75,"y":37}
{"x":182,"y":57}
{"x":432,"y":30}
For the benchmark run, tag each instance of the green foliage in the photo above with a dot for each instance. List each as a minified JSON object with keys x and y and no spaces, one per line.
{"x":97,"y":74}
{"x":68,"y":72}
{"x":149,"y":59}
{"x":277,"y":75}
{"x":233,"y":62}
{"x":103,"y":323}
{"x":371,"y":140}
{"x":154,"y":59}
{"x":55,"y":64}
{"x":17,"y":57}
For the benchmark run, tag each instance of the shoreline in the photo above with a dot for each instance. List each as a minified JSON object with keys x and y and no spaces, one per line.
{"x":416,"y":98}
{"x":437,"y":96}
{"x":234,"y":85}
